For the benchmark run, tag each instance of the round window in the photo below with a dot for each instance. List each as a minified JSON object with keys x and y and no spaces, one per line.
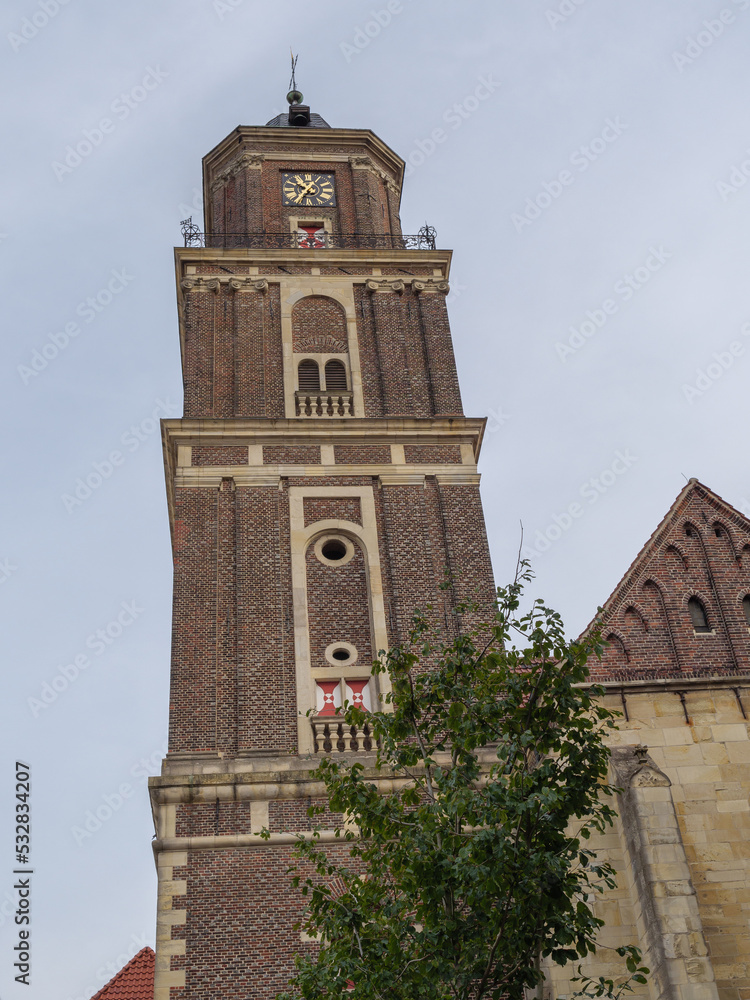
{"x":334,"y":550}
{"x":341,"y":654}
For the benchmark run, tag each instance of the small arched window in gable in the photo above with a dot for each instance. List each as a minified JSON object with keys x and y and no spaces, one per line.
{"x":698,"y":615}
{"x":746,"y":608}
{"x":335,"y":376}
{"x":690,"y":531}
{"x":308,"y":375}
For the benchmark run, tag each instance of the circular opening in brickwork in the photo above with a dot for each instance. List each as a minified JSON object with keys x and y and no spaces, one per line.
{"x":339,"y":653}
{"x":333,"y":549}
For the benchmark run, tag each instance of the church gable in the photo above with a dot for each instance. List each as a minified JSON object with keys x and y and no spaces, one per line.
{"x":683,"y":607}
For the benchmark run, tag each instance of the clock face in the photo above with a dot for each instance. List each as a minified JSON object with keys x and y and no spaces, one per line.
{"x":305,"y":189}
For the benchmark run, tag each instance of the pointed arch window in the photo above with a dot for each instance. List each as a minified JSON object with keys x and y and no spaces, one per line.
{"x":698,"y":615}
{"x":308,"y":375}
{"x":746,"y":608}
{"x":335,"y":376}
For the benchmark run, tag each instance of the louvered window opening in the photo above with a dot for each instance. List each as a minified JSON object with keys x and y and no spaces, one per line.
{"x":335,"y":377}
{"x":698,"y":615}
{"x":308,"y":374}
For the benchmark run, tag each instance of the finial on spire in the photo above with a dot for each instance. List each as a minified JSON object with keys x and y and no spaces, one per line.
{"x":294,"y":96}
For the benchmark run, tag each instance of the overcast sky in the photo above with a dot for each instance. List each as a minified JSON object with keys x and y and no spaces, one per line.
{"x":591,"y":177}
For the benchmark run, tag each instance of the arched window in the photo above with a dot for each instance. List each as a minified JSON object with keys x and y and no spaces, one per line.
{"x":335,"y":376}
{"x":698,"y":615}
{"x":746,"y":608}
{"x":308,"y":375}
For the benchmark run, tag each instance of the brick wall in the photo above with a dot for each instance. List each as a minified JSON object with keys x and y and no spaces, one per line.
{"x":345,"y":454}
{"x":291,"y":455}
{"x":319,"y":326}
{"x":239,"y":936}
{"x":328,"y":508}
{"x":219,"y":456}
{"x":192,"y":709}
{"x":436,"y":454}
{"x":233,"y":362}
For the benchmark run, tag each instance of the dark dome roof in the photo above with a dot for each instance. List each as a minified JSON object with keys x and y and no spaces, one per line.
{"x":282,"y":121}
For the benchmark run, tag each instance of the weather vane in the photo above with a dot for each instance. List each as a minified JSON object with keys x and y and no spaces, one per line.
{"x":294,"y":96}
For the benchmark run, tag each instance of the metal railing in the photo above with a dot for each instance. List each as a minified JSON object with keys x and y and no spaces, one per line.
{"x":423,"y":240}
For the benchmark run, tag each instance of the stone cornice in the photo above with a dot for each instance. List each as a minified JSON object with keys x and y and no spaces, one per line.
{"x":329,"y":257}
{"x":233,"y":841}
{"x":311,"y":430}
{"x":673,"y":685}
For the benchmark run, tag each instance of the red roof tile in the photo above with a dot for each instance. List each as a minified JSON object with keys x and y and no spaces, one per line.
{"x":133,"y":982}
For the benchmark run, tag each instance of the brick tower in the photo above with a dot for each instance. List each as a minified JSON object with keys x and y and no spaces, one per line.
{"x":321,"y":482}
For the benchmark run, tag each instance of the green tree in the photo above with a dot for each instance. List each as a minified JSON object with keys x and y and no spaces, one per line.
{"x":465,"y":875}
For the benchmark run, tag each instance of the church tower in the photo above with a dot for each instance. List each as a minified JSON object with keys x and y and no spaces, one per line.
{"x":322,"y":481}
